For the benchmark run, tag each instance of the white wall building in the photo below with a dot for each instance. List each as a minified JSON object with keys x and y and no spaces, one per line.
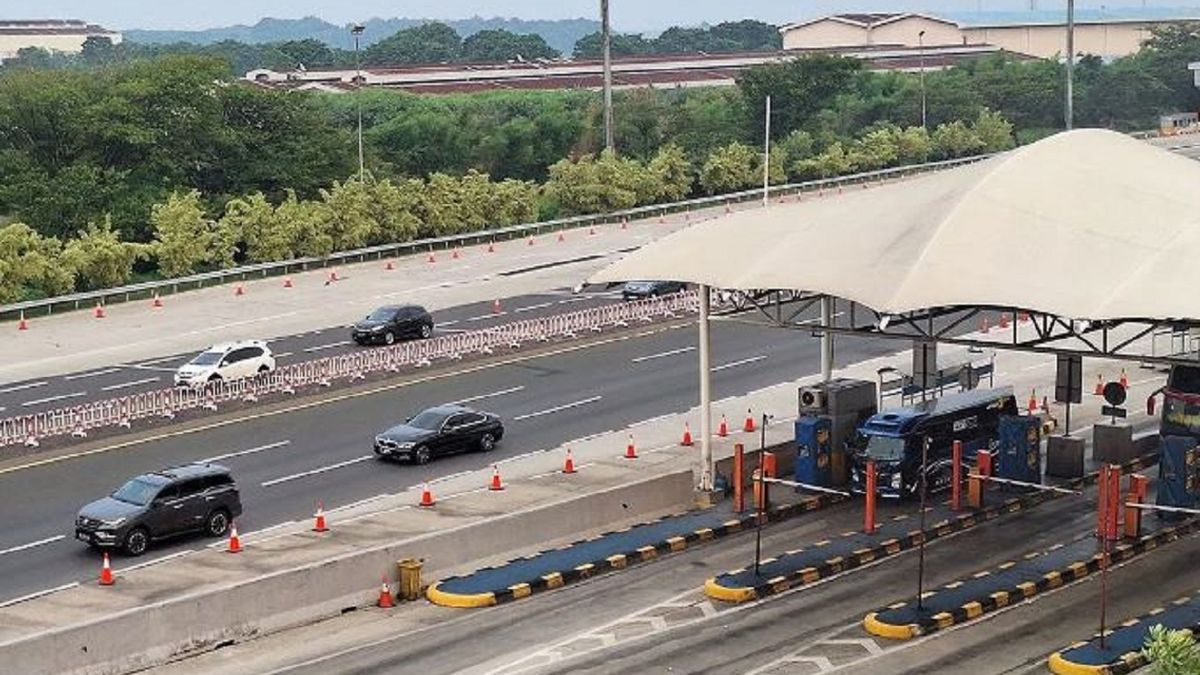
{"x":56,"y":35}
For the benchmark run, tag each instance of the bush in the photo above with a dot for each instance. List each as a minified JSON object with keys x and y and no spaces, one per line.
{"x":1172,"y":652}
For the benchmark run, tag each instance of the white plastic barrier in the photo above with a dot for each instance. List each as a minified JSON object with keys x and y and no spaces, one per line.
{"x":166,"y":403}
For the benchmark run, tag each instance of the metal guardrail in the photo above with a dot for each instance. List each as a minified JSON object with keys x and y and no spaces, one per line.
{"x":166,"y":403}
{"x":146,"y":290}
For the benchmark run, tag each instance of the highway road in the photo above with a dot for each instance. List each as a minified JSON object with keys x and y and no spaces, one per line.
{"x":655,"y":619}
{"x":286,"y":462}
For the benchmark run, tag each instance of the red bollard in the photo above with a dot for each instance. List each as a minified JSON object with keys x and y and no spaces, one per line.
{"x":983,"y":469}
{"x":739,"y":494}
{"x":768,"y":461}
{"x":756,"y":478}
{"x":869,"y":513}
{"x":1137,"y":494}
{"x":956,"y":476}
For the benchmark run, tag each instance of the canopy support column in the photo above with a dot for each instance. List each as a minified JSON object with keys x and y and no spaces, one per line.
{"x":826,"y":338}
{"x":706,"y":454}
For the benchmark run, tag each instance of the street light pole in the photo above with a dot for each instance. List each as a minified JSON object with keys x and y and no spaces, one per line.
{"x":606,"y":48}
{"x":767,"y":158}
{"x":1070,"y":104}
{"x":921,"y":547}
{"x":924,"y":101}
{"x":358,"y":81}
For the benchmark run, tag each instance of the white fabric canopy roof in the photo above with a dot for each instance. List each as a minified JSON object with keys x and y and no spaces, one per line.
{"x":1087,"y":224}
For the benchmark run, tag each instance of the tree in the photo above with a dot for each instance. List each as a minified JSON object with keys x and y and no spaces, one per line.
{"x":349,"y":214}
{"x":305,"y":225}
{"x":798,"y":89}
{"x":1126,"y":95}
{"x":749,"y":35}
{"x":914,"y":145}
{"x":1171,"y":652}
{"x":99,"y":259}
{"x":598,"y":185}
{"x":994,"y":132}
{"x":673,"y":173}
{"x":1166,"y":55}
{"x":833,"y":161}
{"x":308,"y":52}
{"x":877,"y":149}
{"x":730,"y":168}
{"x":251,"y":221}
{"x":184,"y":238}
{"x":428,"y":43}
{"x":499,"y":46}
{"x":29,"y":264}
{"x":97,"y":50}
{"x":622,"y":44}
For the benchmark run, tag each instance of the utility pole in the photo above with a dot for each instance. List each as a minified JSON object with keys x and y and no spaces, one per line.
{"x":1070,"y":105}
{"x":924,"y":99}
{"x":357,"y":31}
{"x":767,"y":158}
{"x":606,"y":48}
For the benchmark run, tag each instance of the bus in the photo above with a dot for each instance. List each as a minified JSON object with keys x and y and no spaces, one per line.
{"x":894,"y":439}
{"x":1181,"y":402}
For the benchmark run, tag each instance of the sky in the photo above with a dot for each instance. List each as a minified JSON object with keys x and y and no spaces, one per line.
{"x":628,"y":15}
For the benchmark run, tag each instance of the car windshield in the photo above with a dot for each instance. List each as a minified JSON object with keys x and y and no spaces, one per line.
{"x":429,"y":420}
{"x":207,"y":359}
{"x":381,"y":314}
{"x":885,"y":448}
{"x":136,"y":491}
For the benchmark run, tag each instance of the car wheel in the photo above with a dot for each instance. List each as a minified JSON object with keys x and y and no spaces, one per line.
{"x":389,"y":338}
{"x":217,"y":523}
{"x":421,"y":455}
{"x":214,"y":379}
{"x":263,"y":369}
{"x":487,"y":443}
{"x":426,"y":331}
{"x":136,"y":542}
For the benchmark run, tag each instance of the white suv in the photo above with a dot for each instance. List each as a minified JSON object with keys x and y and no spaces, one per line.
{"x":226,"y":361}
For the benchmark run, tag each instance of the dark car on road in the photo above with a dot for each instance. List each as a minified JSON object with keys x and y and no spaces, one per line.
{"x":442,"y":430}
{"x":182,"y":500}
{"x":639,"y":290}
{"x":393,"y":322}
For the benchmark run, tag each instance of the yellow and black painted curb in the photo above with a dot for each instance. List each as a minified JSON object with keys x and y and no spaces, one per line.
{"x":1060,"y":662}
{"x":1000,"y":598}
{"x":799,"y":578}
{"x":437,"y":594}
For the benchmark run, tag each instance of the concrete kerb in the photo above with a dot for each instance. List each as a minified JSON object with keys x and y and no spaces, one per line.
{"x":141,"y":636}
{"x":806,"y":576}
{"x":1000,"y":598}
{"x":1125,"y":641}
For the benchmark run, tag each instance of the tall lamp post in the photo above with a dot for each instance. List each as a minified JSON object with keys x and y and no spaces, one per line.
{"x":924,"y":100}
{"x":357,"y":31}
{"x":1069,"y":113}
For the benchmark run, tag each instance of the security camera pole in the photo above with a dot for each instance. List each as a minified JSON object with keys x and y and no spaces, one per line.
{"x":357,"y":31}
{"x":606,"y":48}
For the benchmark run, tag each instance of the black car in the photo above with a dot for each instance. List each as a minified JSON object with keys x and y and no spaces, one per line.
{"x":443,"y":430}
{"x":185,"y":499}
{"x":638,"y":290}
{"x":393,"y":322}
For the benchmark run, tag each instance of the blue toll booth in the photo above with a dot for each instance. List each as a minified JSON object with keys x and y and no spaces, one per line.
{"x":1020,"y":456}
{"x":814,"y":451}
{"x":1178,"y":469}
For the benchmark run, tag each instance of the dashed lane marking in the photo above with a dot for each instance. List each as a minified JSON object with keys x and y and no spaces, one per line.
{"x":125,"y":385}
{"x":494,"y":394}
{"x":33,"y":544}
{"x":317,"y":471}
{"x":743,"y":362}
{"x":23,"y":387}
{"x":52,"y":399}
{"x":93,"y":373}
{"x":557,"y":408}
{"x":661,"y":355}
{"x":242,"y":453}
{"x":331,"y":345}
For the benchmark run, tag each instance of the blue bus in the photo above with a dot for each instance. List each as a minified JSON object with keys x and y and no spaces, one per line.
{"x":894,"y":439}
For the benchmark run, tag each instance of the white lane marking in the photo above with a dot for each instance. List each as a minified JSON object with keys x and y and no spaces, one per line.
{"x":2,"y":408}
{"x":442,"y":479}
{"x":37,"y":594}
{"x":23,"y":387}
{"x":567,"y":301}
{"x":242,"y":453}
{"x":169,"y":556}
{"x":283,"y":355}
{"x":135,"y":383}
{"x":361,"y":502}
{"x":94,"y":373}
{"x":743,"y":362}
{"x":530,"y":308}
{"x":156,"y":369}
{"x":331,"y":345}
{"x":314,"y":472}
{"x":54,"y":398}
{"x":443,"y":324}
{"x":652,"y":420}
{"x":558,"y":408}
{"x":33,"y":544}
{"x":494,"y":394}
{"x":485,"y":317}
{"x":154,"y":362}
{"x":673,"y":352}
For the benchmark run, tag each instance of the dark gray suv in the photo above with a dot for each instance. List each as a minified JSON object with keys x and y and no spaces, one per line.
{"x":182,"y":500}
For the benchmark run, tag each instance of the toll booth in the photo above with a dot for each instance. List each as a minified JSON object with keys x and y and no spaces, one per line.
{"x":1178,"y":474}
{"x":1019,"y":452}
{"x":845,"y":403}
{"x":814,"y":451}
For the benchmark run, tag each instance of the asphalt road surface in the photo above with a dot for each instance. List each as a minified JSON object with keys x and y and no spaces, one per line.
{"x":286,"y":463}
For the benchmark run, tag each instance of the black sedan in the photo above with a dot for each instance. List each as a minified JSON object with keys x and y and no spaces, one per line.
{"x":388,"y":324}
{"x":444,"y":430}
{"x":638,"y":290}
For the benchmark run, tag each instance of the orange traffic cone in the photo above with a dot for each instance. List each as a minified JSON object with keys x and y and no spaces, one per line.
{"x":728,"y":208}
{"x":319,"y":525}
{"x":983,"y":325}
{"x":389,"y":266}
{"x":630,"y":449}
{"x":495,"y":485}
{"x":687,"y":436}
{"x":560,"y":236}
{"x":569,"y":463}
{"x":1099,"y":391}
{"x":287,"y":282}
{"x":530,"y":242}
{"x":235,"y":542}
{"x":491,"y":247}
{"x":385,"y":596}
{"x":455,"y":255}
{"x":426,"y":496}
{"x":99,"y":311}
{"x":625,"y":223}
{"x":106,"y":575}
{"x":22,"y":324}
{"x":238,"y":291}
{"x":1124,"y":379}
{"x":1033,"y":404}
{"x":662,"y":220}
{"x":157,"y":302}
{"x":723,"y":429}
{"x":333,"y":276}
{"x":431,"y":258}
{"x":749,"y":425}
{"x":591,"y":231}
{"x":496,"y":308}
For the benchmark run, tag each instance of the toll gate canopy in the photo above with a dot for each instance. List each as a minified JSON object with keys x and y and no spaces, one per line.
{"x":1088,"y":231}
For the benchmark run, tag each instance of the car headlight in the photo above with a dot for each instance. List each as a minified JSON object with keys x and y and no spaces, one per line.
{"x":116,"y":522}
{"x":405,"y":446}
{"x":896,"y":480}
{"x":377,"y":329}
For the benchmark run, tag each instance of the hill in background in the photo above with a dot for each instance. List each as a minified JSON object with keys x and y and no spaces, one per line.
{"x":560,"y":34}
